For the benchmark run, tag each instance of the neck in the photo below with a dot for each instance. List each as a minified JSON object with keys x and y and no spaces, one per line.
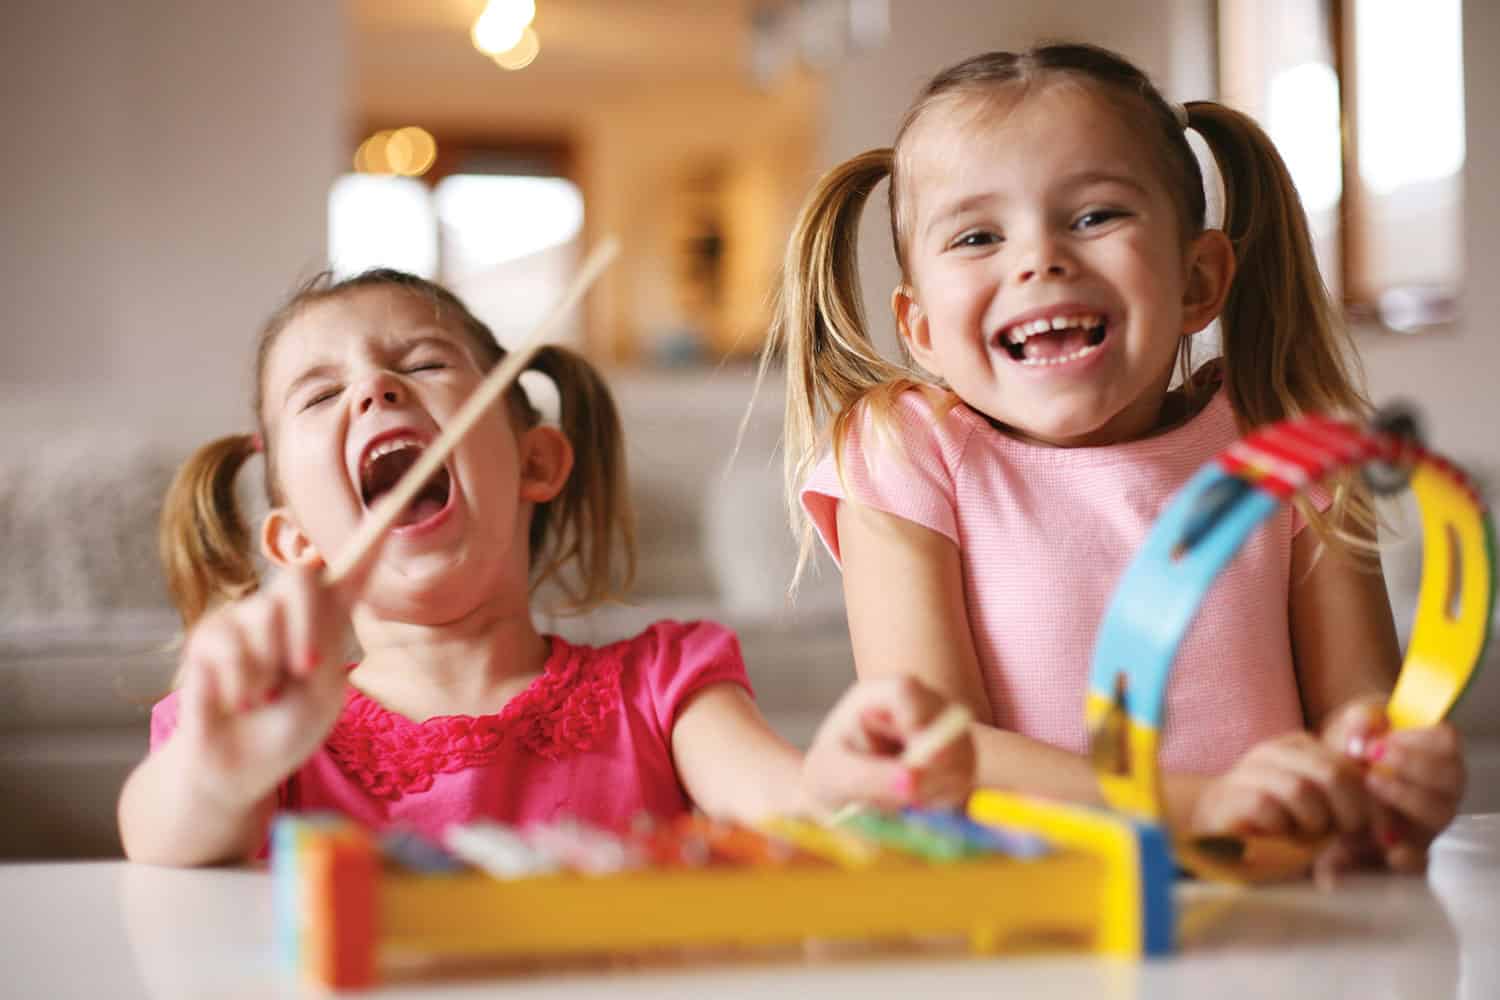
{"x":470,"y":666}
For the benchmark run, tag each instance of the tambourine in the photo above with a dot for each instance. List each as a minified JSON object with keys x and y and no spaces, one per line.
{"x":1201,"y":531}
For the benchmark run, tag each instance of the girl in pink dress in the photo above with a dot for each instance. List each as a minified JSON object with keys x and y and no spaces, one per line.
{"x":458,"y":709}
{"x":985,"y":491}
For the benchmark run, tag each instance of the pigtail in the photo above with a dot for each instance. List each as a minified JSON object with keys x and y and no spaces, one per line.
{"x":203,"y":538}
{"x":831,"y":362}
{"x":1286,"y":349}
{"x":590,"y":523}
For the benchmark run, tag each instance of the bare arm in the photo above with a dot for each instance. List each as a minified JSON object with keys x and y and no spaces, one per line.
{"x":731,"y":761}
{"x":903,"y":587}
{"x":173,"y":812}
{"x":1343,"y":636}
{"x":734,"y":765}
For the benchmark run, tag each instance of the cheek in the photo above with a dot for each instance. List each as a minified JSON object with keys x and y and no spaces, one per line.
{"x":311,"y":475}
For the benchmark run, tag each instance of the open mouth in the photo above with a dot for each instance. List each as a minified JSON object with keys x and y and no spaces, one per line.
{"x":385,"y":464}
{"x":1054,"y":340}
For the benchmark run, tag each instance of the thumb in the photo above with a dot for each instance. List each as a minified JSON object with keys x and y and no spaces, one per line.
{"x":1355,"y":725}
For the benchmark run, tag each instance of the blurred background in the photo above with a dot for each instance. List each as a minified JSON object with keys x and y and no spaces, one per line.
{"x":176,"y":168}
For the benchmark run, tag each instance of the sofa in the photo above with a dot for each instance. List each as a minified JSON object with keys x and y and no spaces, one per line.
{"x":86,"y":629}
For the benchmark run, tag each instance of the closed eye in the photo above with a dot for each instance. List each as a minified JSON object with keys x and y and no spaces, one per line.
{"x":320,"y":398}
{"x":426,"y":366}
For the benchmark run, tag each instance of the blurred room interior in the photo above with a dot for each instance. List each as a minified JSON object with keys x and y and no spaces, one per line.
{"x":176,"y":168}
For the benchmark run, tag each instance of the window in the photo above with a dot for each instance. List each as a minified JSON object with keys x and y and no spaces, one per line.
{"x":506,"y":243}
{"x":1364,"y":99}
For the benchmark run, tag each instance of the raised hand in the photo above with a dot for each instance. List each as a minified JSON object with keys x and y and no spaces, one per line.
{"x":263,"y":682}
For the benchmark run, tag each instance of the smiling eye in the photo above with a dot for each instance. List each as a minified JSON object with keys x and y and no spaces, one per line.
{"x":977,"y":238}
{"x":1092,"y":220}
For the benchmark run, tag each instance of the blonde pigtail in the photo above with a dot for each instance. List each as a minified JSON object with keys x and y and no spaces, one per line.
{"x":203,"y":538}
{"x":1286,"y":348}
{"x":820,"y":331}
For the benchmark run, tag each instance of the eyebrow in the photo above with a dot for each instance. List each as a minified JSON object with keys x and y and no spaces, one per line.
{"x":1091,"y":177}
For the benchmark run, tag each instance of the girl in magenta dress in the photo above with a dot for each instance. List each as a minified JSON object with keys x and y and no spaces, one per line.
{"x":457,"y":708}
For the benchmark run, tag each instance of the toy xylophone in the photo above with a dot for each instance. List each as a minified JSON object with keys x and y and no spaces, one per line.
{"x":1077,"y":878}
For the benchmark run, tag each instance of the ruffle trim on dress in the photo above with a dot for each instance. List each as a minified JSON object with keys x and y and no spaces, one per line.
{"x":560,"y":713}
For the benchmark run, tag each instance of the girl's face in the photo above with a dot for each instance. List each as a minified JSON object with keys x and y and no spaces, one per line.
{"x":355,"y":388}
{"x":1049,"y":282}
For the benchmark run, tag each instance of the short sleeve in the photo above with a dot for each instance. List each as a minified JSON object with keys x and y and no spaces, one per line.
{"x":903,"y":466}
{"x":1321,"y":499}
{"x":679,"y":659}
{"x":164,"y":719}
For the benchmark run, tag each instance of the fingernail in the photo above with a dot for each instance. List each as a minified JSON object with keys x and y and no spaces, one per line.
{"x":904,"y":785}
{"x":1375,"y":750}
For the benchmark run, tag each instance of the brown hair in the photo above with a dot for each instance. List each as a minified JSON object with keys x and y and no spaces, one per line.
{"x":1285,"y":350}
{"x":205,"y":543}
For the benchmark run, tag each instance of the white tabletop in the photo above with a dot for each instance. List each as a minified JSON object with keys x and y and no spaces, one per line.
{"x":112,"y":929}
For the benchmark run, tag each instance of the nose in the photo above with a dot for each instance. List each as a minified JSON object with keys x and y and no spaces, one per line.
{"x":381,"y":389}
{"x":1044,"y":257}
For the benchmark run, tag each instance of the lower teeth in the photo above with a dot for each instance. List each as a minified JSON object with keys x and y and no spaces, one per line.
{"x":1081,"y":352}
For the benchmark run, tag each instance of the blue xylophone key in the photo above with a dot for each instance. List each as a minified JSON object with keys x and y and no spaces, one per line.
{"x":415,"y":852}
{"x":990,"y":839}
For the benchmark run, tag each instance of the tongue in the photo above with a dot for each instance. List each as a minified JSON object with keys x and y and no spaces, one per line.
{"x":1057,"y":344}
{"x":418,"y":511}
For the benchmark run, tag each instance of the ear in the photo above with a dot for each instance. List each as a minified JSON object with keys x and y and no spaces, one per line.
{"x":1210,"y":273}
{"x":284,"y":543}
{"x":546,"y":461}
{"x":911,"y":323}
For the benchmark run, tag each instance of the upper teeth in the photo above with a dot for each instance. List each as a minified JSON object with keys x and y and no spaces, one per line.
{"x":386,"y":447}
{"x":1022,"y":332}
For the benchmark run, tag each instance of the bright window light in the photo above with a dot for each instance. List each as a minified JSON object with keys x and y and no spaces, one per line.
{"x":381,"y":221}
{"x":489,"y":219}
{"x":1409,"y":57}
{"x":1303,"y":119}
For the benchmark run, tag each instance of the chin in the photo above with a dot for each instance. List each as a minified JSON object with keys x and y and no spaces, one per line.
{"x":425,"y":590}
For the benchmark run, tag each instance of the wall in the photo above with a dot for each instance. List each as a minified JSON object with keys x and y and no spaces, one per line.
{"x":1452,"y":374}
{"x":167,"y":170}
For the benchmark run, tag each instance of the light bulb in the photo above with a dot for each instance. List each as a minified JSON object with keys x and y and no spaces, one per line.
{"x":501,"y":24}
{"x":523,"y":53}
